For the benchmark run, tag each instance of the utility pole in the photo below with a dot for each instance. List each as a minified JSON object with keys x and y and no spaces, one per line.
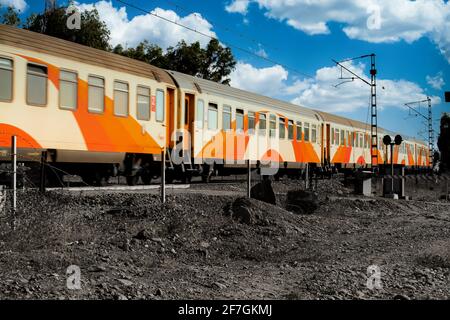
{"x":373,"y":100}
{"x":429,"y":119}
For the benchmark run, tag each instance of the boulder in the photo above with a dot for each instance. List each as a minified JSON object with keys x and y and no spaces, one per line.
{"x":144,"y":235}
{"x":242,"y":211}
{"x":263,"y":191}
{"x":302,"y":202}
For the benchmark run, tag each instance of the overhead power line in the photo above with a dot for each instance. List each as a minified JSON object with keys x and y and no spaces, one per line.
{"x":214,"y":38}
{"x":221,"y":26}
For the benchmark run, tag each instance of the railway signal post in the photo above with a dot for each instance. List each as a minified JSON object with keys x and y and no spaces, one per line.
{"x":14,"y":173}
{"x":249,"y":178}
{"x":163,"y":176}
{"x":42,"y":177}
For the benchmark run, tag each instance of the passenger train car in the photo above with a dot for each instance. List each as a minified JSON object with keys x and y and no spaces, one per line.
{"x":97,"y":115}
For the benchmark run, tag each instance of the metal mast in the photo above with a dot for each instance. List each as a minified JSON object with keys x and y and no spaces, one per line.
{"x":373,"y":101}
{"x":429,"y":119}
{"x":373,"y":108}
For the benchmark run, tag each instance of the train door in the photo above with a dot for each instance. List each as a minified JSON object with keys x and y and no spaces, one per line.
{"x":170,"y":115}
{"x":189,"y":120}
{"x":328,"y":145}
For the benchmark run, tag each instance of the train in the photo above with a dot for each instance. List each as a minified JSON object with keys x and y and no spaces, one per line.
{"x":96,"y":114}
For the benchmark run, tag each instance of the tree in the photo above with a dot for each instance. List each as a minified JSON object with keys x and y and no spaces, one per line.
{"x":11,"y":17}
{"x":218,"y":64}
{"x":93,"y":32}
{"x":444,"y":141}
{"x":213,"y":63}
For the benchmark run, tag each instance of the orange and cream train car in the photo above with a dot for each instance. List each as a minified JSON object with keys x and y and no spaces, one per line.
{"x":97,"y":114}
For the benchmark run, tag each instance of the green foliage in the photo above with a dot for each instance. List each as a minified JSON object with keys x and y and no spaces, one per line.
{"x":213,"y":63}
{"x":10,"y":17}
{"x":93,"y":32}
{"x":444,"y":141}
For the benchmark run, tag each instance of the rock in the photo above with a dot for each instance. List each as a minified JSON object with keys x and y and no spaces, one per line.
{"x":263,"y":191}
{"x":204,"y":244}
{"x":219,"y":285}
{"x":158,"y":292}
{"x":125,"y":282}
{"x":98,"y":269}
{"x":159,"y":240}
{"x":144,"y":235}
{"x":125,"y":246}
{"x":401,"y":297}
{"x":241,"y":210}
{"x":301,"y":202}
{"x":121,"y":297}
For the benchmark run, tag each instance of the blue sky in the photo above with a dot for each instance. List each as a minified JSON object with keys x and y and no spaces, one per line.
{"x":410,"y":38}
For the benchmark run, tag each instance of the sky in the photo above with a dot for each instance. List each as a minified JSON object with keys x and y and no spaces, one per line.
{"x":284,"y":48}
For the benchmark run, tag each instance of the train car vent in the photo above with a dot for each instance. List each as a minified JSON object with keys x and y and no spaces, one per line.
{"x":198,"y":87}
{"x":156,"y":76}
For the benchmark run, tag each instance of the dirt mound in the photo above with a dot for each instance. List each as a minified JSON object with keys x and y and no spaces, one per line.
{"x":302,"y":202}
{"x":436,"y":256}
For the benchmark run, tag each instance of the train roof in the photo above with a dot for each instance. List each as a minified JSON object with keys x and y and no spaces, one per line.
{"x":70,"y":50}
{"x":342,"y":120}
{"x":195,"y":84}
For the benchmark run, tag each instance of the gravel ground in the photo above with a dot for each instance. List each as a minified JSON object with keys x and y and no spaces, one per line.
{"x":129,"y":246}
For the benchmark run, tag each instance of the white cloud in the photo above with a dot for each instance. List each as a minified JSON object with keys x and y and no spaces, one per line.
{"x":262,"y":53}
{"x":320,"y":92}
{"x":18,"y":4}
{"x":377,"y":21}
{"x":437,"y":82}
{"x":148,"y":27}
{"x":238,"y":6}
{"x":268,"y":81}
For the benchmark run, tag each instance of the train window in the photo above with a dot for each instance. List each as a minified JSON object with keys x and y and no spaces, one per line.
{"x":272,"y":126}
{"x":37,"y":85}
{"x":306,"y":131}
{"x":262,"y":124}
{"x":200,"y":114}
{"x":239,"y":119}
{"x":342,"y":137}
{"x":121,"y":93}
{"x":282,"y":127}
{"x":6,"y":79}
{"x":332,"y":136}
{"x":143,"y":103}
{"x":212,"y":116}
{"x":336,"y":136}
{"x":160,"y":105}
{"x":291,"y":130}
{"x":68,"y":90}
{"x":96,"y":94}
{"x":251,"y":122}
{"x":361,"y":140}
{"x":226,"y":118}
{"x":314,"y":133}
{"x":299,"y":131}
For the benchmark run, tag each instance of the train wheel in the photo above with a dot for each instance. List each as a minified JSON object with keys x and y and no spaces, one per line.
{"x":132,"y":180}
{"x":187,"y":178}
{"x":146,"y":178}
